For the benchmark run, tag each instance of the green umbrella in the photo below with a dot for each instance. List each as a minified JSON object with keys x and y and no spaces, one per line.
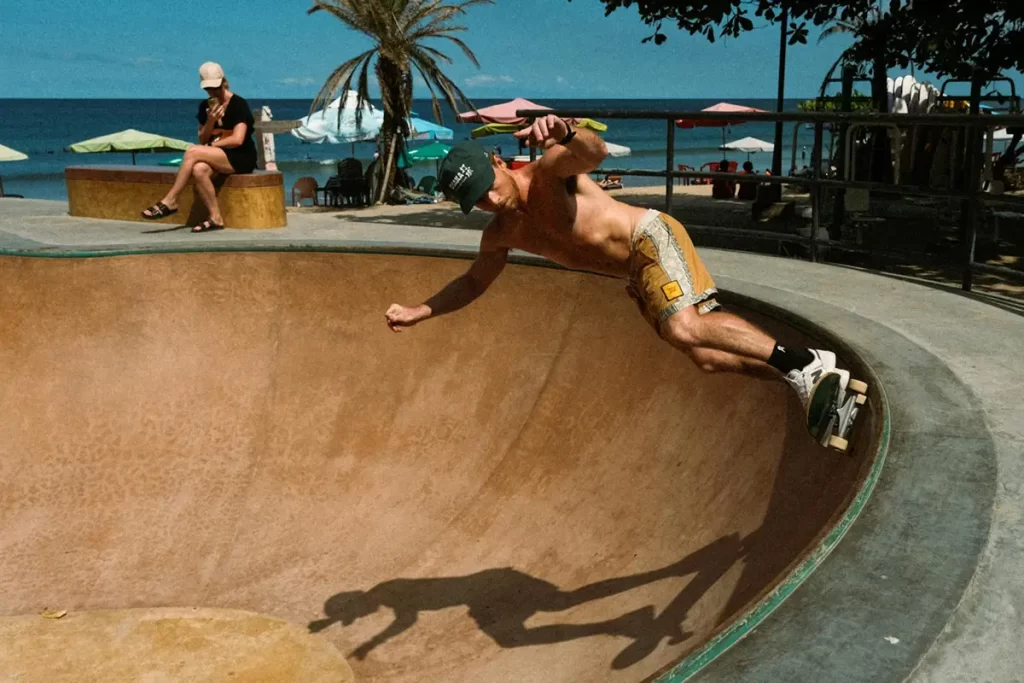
{"x":506,"y":128}
{"x":435,"y":151}
{"x":130,"y":140}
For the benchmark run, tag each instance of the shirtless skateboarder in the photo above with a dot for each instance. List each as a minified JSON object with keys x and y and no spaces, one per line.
{"x":552,"y":208}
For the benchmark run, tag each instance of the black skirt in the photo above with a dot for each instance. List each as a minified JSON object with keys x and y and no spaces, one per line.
{"x":243,"y":157}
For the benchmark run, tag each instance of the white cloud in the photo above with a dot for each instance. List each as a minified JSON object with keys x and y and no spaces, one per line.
{"x":297,"y":81}
{"x":560,"y":80}
{"x":487,"y":79}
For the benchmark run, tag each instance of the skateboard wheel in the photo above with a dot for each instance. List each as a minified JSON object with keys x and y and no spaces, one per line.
{"x":861,"y":399}
{"x":838,"y":443}
{"x":857,"y":387}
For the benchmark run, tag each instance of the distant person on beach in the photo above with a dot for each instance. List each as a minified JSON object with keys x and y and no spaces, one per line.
{"x":747,"y":188}
{"x":723,"y":189}
{"x":225,"y":146}
{"x":551,"y":207}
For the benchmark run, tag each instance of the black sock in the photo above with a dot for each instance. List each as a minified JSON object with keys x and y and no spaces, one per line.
{"x":788,"y":358}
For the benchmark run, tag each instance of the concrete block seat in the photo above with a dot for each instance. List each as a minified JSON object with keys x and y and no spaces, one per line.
{"x":119,"y":192}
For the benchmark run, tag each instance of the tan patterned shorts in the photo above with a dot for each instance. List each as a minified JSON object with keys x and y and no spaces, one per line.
{"x":665,"y":273}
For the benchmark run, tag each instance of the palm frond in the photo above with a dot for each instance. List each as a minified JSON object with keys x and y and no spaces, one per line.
{"x":437,"y":54}
{"x":837,"y":28}
{"x":465,"y":49}
{"x":433,"y":74}
{"x":342,"y":74}
{"x":435,"y":104}
{"x":341,"y":10}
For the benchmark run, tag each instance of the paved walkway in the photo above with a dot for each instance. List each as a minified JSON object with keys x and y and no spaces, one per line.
{"x":927,"y":584}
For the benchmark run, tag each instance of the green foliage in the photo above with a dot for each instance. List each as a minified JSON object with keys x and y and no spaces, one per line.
{"x":947,"y":37}
{"x":858,"y":102}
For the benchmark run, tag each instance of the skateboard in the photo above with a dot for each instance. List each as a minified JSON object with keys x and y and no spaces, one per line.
{"x":832,"y":413}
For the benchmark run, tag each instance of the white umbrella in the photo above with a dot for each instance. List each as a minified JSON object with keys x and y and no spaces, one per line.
{"x":748,"y":145}
{"x":338,"y":123}
{"x":617,"y":150}
{"x":8,"y":154}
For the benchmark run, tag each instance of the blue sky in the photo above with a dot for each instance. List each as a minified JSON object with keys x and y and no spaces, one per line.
{"x":271,"y":48}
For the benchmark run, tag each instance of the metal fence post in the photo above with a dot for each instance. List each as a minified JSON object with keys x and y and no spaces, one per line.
{"x":816,"y":190}
{"x":972,"y":183}
{"x":670,"y":164}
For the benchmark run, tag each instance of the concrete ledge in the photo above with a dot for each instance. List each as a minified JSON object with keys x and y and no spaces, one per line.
{"x":248,"y":201}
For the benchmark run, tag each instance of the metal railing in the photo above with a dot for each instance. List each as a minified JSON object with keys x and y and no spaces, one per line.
{"x":969,"y":193}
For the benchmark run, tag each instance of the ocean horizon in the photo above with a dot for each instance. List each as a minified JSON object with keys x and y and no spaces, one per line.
{"x":44,"y":129}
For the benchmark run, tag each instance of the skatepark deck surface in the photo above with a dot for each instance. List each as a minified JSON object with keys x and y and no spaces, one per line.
{"x":534,"y":488}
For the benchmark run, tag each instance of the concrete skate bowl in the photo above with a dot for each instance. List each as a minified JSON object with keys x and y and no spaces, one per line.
{"x":533,"y":489}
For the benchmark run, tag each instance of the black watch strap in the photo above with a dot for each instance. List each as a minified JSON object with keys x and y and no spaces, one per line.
{"x":568,"y":137}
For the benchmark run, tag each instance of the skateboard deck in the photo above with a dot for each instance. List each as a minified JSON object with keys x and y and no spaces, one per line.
{"x":831,"y":412}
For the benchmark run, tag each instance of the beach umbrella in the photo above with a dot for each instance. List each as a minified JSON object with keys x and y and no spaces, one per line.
{"x":342,"y":121}
{"x":427,"y":130}
{"x":502,"y":118}
{"x":500,"y":113}
{"x":748,"y":145}
{"x":435,"y":151}
{"x":130,"y":140}
{"x":8,"y":154}
{"x":721,"y":107}
{"x":509,"y":128}
{"x":617,"y":150}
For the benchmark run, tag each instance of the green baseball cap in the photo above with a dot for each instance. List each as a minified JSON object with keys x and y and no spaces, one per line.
{"x":466,"y":174}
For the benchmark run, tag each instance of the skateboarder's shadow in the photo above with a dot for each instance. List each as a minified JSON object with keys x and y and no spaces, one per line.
{"x":502,"y":600}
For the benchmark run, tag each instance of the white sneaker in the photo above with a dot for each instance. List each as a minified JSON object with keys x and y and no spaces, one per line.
{"x":804,"y":379}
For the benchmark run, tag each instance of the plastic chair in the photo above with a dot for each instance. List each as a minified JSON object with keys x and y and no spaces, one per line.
{"x":353,"y":186}
{"x":306,"y":187}
{"x":330,"y":190}
{"x":13,"y":196}
{"x":427,"y":185}
{"x":686,"y":181}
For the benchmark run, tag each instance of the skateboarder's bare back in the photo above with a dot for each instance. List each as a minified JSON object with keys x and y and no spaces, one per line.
{"x":552,"y":208}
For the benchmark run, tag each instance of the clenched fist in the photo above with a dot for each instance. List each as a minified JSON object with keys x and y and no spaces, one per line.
{"x":544,"y":132}
{"x":399,"y":316}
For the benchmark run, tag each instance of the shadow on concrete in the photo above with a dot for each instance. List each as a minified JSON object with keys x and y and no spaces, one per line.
{"x":501,"y":600}
{"x":811,"y":487}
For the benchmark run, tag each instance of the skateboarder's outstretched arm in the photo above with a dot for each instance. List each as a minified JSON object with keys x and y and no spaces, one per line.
{"x":459,"y":292}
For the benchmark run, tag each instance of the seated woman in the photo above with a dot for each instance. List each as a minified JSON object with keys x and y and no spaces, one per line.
{"x":225,"y":146}
{"x":723,"y":189}
{"x":611,"y":182}
{"x":747,"y":188}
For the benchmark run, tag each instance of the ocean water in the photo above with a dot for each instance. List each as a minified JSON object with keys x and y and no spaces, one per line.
{"x":43,"y":129}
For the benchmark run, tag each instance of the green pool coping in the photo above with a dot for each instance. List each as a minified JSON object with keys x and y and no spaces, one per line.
{"x":694,"y":662}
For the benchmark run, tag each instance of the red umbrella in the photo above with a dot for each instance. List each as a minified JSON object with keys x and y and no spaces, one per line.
{"x":500,"y":113}
{"x":505,"y":113}
{"x":722,"y":107}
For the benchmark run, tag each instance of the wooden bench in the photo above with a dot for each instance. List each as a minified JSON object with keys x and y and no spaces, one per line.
{"x":118,"y":192}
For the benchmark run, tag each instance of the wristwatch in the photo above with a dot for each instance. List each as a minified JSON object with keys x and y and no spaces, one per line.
{"x":568,"y":136}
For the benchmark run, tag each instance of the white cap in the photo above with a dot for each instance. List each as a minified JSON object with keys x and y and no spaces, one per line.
{"x":210,"y":75}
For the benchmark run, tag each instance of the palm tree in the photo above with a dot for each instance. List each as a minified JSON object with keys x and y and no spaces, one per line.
{"x":399,"y":30}
{"x":872,"y":31}
{"x":865,"y":26}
